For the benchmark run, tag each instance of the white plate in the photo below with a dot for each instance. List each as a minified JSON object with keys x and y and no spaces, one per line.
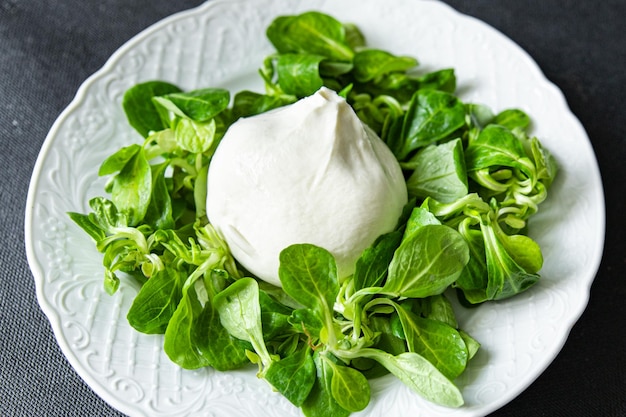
{"x":222,"y":43}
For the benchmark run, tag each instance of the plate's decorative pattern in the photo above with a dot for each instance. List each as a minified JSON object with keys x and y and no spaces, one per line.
{"x":222,"y":43}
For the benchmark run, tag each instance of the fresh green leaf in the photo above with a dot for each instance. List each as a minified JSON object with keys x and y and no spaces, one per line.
{"x":307,"y":321}
{"x":472,"y":344}
{"x":200,"y":105}
{"x":439,"y":343}
{"x":432,"y":116}
{"x":132,"y":188}
{"x":111,"y":282}
{"x":105,"y":214}
{"x":506,"y":277}
{"x":479,"y":115}
{"x":420,"y":375}
{"x":497,"y":146}
{"x":387,"y":339}
{"x":442,"y":80}
{"x":139,"y":108}
{"x":222,"y":350}
{"x":474,"y":278}
{"x":370,"y":64}
{"x":248,"y":103}
{"x":427,"y":262}
{"x":199,"y":191}
{"x":439,"y":308}
{"x":349,"y":388}
{"x":156,"y":302}
{"x":371,"y":267}
{"x":117,"y":161}
{"x":274,"y":317}
{"x":239,"y":309}
{"x":89,"y":226}
{"x":354,"y":36}
{"x":195,"y":137}
{"x":310,"y":32}
{"x":545,"y":162}
{"x":309,"y":275}
{"x":512,"y":119}
{"x":240,"y":313}
{"x":195,"y":337}
{"x":299,"y":74}
{"x":524,"y":251}
{"x":182,"y":334}
{"x":293,"y":376}
{"x":159,"y":211}
{"x":439,"y":173}
{"x":321,"y":402}
{"x":420,"y":217}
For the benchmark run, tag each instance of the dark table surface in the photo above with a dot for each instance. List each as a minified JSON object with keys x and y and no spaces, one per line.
{"x":49,"y":47}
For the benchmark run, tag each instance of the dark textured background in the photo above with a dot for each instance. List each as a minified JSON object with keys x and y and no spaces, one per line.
{"x":48,"y":48}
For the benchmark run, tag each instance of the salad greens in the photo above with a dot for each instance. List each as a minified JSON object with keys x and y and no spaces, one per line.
{"x":474,"y":177}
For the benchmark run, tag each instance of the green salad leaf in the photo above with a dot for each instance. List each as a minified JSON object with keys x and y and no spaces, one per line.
{"x":293,"y":376}
{"x":140,"y":109}
{"x":427,"y":262}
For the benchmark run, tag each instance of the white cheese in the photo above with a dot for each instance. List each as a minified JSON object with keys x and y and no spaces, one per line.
{"x":309,"y":172}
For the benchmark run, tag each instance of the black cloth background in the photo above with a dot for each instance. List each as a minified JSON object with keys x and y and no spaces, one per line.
{"x":48,"y":48}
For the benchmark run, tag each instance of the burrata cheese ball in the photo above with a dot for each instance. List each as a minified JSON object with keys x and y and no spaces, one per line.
{"x":310,"y":172}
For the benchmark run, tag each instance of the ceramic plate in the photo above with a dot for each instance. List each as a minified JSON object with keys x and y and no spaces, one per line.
{"x":222,"y":44}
